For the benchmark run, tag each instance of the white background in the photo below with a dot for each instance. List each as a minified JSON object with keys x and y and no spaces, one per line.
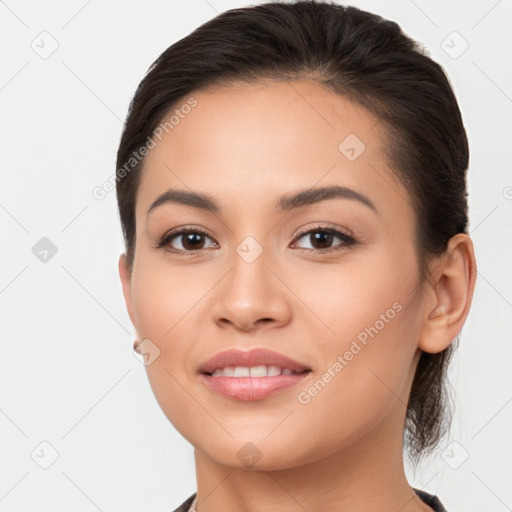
{"x":68,"y":376}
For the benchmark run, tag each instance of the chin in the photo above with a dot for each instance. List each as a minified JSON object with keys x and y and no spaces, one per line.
{"x":259,"y":454}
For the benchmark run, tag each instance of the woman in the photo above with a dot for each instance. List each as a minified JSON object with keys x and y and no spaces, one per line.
{"x":292,"y":191}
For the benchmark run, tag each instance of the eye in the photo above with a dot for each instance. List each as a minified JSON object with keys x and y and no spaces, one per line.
{"x":193,"y":240}
{"x":186,"y":241}
{"x":322,"y":238}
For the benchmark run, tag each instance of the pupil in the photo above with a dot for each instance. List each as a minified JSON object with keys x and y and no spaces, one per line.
{"x":322,"y":237}
{"x":192,"y":239}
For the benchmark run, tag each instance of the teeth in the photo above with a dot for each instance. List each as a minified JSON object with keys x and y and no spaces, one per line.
{"x":272,"y":371}
{"x":241,"y":371}
{"x":253,"y":371}
{"x":258,"y":371}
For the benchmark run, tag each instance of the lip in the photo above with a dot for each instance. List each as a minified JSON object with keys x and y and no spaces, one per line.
{"x":251,"y":388}
{"x":254,"y":357}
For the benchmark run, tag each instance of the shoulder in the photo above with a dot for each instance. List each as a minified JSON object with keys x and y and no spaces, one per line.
{"x":432,"y":501}
{"x":186,"y":504}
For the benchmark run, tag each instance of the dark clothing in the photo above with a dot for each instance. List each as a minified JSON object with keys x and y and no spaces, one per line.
{"x":186,"y":504}
{"x":432,"y":501}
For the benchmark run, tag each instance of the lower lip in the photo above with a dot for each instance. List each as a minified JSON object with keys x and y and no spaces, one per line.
{"x":252,"y":388}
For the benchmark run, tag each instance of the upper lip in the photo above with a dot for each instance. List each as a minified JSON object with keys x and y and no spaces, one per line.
{"x":249,"y":358}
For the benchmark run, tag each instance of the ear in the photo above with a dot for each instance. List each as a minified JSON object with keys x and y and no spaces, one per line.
{"x":126,"y":281}
{"x":449,"y":294}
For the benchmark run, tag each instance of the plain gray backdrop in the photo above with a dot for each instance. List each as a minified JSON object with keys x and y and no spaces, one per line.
{"x":79,"y":426}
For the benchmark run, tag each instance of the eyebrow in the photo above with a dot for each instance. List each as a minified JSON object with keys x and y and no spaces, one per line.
{"x":286,"y":202}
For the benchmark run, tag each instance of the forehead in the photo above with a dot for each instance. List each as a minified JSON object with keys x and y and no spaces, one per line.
{"x":245,"y":143}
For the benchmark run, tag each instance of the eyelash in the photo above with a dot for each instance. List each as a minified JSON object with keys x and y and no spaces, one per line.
{"x":347,"y":241}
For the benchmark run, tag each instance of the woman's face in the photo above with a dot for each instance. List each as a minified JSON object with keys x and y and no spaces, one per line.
{"x":345,"y":304}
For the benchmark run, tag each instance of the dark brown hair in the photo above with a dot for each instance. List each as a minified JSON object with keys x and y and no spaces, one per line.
{"x":370,"y":61}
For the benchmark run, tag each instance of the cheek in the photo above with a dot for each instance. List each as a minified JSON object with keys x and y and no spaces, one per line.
{"x":368,"y":295}
{"x":165,"y":296}
{"x":365,"y":338}
{"x":169,"y":311}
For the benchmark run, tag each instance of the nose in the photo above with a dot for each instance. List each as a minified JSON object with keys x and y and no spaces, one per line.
{"x":251,"y":297}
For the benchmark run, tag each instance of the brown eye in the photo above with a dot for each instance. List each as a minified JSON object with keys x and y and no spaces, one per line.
{"x":186,"y":241}
{"x":192,"y":241}
{"x":322,"y":238}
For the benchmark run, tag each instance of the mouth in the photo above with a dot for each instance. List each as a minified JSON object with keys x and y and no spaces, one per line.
{"x":251,"y":375}
{"x":253,"y":371}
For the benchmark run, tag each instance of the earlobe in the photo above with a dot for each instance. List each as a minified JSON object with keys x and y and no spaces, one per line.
{"x":126,"y":283}
{"x":450,"y":296}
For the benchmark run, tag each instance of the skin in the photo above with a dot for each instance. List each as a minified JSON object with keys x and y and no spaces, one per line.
{"x":247,"y":145}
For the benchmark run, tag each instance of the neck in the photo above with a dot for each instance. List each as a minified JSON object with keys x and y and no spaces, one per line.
{"x":368,"y":475}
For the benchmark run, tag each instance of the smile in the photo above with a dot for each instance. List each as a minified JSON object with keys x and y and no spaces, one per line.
{"x":253,"y":371}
